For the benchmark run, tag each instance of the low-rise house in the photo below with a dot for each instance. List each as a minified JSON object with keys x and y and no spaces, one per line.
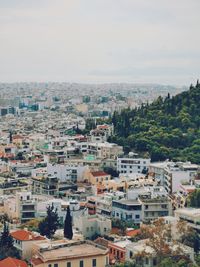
{"x":24,"y":240}
{"x":117,"y":251}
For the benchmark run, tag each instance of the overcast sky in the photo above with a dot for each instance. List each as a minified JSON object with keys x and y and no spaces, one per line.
{"x":100,"y":41}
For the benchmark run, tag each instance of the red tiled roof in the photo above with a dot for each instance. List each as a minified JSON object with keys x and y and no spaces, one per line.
{"x":24,"y":235}
{"x":11,"y":262}
{"x":17,"y":137}
{"x":99,"y":173}
{"x":133,"y":232}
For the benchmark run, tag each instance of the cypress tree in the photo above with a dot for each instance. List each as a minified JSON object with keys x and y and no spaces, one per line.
{"x":68,"y":232}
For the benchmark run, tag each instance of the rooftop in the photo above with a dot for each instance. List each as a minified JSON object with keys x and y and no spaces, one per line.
{"x":99,"y":173}
{"x":25,"y":235}
{"x":11,"y":262}
{"x":70,"y":250}
{"x":189,"y":211}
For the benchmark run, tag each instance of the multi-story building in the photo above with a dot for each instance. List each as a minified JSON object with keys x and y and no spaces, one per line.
{"x":189,"y":215}
{"x":104,"y":203}
{"x":25,"y":206}
{"x":12,"y":186}
{"x":154,"y":207}
{"x":129,"y":210}
{"x":70,"y":172}
{"x":70,"y":254}
{"x":105,"y":150}
{"x":172,"y":175}
{"x":132,"y":164}
{"x":51,"y":185}
{"x":176,"y":174}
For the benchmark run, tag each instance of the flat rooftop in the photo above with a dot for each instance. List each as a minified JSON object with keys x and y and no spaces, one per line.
{"x":128,"y":201}
{"x":189,"y":212}
{"x":73,"y":251}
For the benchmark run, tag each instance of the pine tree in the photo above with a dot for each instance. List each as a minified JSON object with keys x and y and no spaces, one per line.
{"x":50,"y":224}
{"x":7,"y":248}
{"x":68,"y":233}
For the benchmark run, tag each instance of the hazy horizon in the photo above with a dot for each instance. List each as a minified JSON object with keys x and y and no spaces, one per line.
{"x":100,"y":41}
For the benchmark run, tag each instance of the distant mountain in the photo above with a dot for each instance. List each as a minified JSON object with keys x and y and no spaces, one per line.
{"x":168,"y":128}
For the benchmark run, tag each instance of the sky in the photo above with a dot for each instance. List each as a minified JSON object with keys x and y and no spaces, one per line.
{"x":100,"y":41}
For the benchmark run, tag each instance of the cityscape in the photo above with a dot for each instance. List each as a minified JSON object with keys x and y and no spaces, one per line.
{"x":99,"y":133}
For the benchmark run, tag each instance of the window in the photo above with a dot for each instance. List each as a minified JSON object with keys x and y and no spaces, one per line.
{"x":49,"y":265}
{"x":118,"y":254}
{"x":131,"y":254}
{"x":81,"y":264}
{"x":56,"y":265}
{"x":105,"y":229}
{"x":154,"y":262}
{"x":69,"y":264}
{"x":137,"y":216}
{"x":94,"y":263}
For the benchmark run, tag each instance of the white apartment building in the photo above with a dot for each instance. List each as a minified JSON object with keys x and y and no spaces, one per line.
{"x":172,"y":175}
{"x":70,"y":172}
{"x":132,"y":164}
{"x":104,"y":150}
{"x":129,"y":210}
{"x":90,"y":225}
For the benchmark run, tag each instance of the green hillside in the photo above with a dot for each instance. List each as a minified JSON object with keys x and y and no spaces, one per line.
{"x":169,"y":128}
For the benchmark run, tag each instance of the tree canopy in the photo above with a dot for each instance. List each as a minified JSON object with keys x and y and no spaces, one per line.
{"x":194,"y":199}
{"x":168,"y":128}
{"x":50,"y":224}
{"x":7,"y":248}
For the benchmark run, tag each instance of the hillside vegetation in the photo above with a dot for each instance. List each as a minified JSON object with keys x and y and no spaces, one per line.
{"x":168,"y":128}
